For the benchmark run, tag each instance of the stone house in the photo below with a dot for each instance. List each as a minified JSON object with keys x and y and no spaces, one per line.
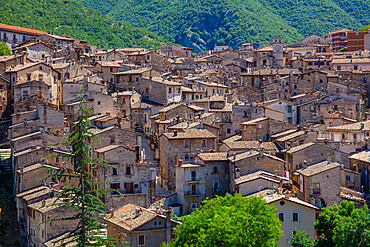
{"x":263,"y":128}
{"x":297,"y":138}
{"x":319,"y":184}
{"x":360,"y":162}
{"x":29,"y":89}
{"x":287,"y":107}
{"x":140,"y":226}
{"x":350,"y":138}
{"x":293,"y":213}
{"x":18,"y":35}
{"x":311,"y":153}
{"x":239,"y":146}
{"x":246,"y":94}
{"x":129,"y":174}
{"x":217,"y":171}
{"x":38,"y":71}
{"x":160,"y":90}
{"x":106,"y":69}
{"x":36,"y":51}
{"x":190,"y":186}
{"x":252,"y":161}
{"x":4,"y":95}
{"x":130,"y":79}
{"x":39,"y":232}
{"x":71,"y":70}
{"x":181,"y":146}
{"x":12,"y":61}
{"x":113,"y":135}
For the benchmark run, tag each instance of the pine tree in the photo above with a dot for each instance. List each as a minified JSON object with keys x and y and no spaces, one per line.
{"x":84,"y":201}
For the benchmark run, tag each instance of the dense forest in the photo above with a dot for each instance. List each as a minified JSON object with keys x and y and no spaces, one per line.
{"x":72,"y":18}
{"x":205,"y":23}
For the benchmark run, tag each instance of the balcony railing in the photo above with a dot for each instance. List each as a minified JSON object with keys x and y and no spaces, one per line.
{"x":316,"y":192}
{"x":192,"y":193}
{"x":125,"y":192}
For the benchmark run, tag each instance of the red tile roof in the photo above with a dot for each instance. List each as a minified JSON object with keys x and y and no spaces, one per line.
{"x":21,"y":29}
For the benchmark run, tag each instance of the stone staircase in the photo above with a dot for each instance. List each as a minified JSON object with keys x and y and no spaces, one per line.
{"x":5,"y":160}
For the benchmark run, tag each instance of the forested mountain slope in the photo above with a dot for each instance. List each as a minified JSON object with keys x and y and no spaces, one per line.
{"x":205,"y":23}
{"x":72,"y":18}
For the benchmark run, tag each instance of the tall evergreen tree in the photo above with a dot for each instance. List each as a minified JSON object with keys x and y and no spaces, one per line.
{"x":84,"y":200}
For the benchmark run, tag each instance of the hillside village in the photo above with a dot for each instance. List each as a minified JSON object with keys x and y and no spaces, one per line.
{"x":288,"y":123}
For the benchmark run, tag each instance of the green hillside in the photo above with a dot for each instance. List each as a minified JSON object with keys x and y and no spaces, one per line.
{"x":72,"y":18}
{"x":205,"y":23}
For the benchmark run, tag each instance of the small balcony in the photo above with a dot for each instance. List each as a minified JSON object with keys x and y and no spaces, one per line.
{"x":126,"y":192}
{"x":192,"y":193}
{"x":316,"y":192}
{"x":194,"y":181}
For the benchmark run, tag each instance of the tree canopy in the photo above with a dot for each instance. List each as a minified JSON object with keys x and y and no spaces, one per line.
{"x":230,"y":221}
{"x":343,"y":226}
{"x":72,"y":18}
{"x":4,"y":50}
{"x":206,"y":23}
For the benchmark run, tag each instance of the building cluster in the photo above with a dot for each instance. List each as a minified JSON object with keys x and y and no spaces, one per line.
{"x":284,"y":122}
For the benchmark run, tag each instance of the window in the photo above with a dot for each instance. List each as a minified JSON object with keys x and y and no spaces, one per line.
{"x":129,"y":187}
{"x":259,"y":126}
{"x":130,"y":78}
{"x":193,"y":206}
{"x":57,"y":159}
{"x":289,"y":108}
{"x":215,"y":169}
{"x":128,"y":170}
{"x":141,"y":240}
{"x":98,"y":102}
{"x":289,"y":120}
{"x":215,"y":187}
{"x":186,"y":156}
{"x":114,"y":171}
{"x":355,"y":67}
{"x":203,"y":143}
{"x":186,"y":143}
{"x":295,"y":217}
{"x":316,"y":188}
{"x":348,"y":178}
{"x":339,"y":67}
{"x":137,"y":79}
{"x":170,"y":90}
{"x":281,"y":217}
{"x":115,"y":186}
{"x":193,"y":175}
{"x":228,"y":131}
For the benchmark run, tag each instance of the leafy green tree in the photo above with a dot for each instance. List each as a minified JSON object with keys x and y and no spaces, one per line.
{"x":230,"y":221}
{"x":344,"y":49}
{"x":84,"y":200}
{"x":328,"y":220}
{"x":353,"y":230}
{"x":4,"y":50}
{"x":301,"y":239}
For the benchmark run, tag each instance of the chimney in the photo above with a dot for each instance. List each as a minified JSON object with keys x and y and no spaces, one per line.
{"x":112,"y":212}
{"x":179,"y":162}
{"x":168,"y":226}
{"x":43,"y":203}
{"x":137,"y":151}
{"x":237,"y":173}
{"x":175,"y":133}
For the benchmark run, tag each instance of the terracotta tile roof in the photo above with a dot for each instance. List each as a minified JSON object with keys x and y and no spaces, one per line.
{"x":301,"y":147}
{"x":348,"y":194}
{"x":28,"y":150}
{"x":105,"y":119}
{"x":36,"y":166}
{"x":255,"y":121}
{"x":6,"y":58}
{"x":132,"y":71}
{"x":362,"y":156}
{"x":213,"y":156}
{"x":57,"y":241}
{"x":318,"y":168}
{"x":45,"y":208}
{"x":327,"y":114}
{"x":127,"y":217}
{"x":270,"y":196}
{"x":37,"y":194}
{"x":246,"y":145}
{"x":232,"y":138}
{"x":291,"y":136}
{"x":249,"y":154}
{"x":31,"y":191}
{"x":116,"y":64}
{"x":107,"y":148}
{"x":22,"y":67}
{"x":21,"y":29}
{"x":365,"y":125}
{"x":284,"y":133}
{"x":260,"y":174}
{"x":191,"y":134}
